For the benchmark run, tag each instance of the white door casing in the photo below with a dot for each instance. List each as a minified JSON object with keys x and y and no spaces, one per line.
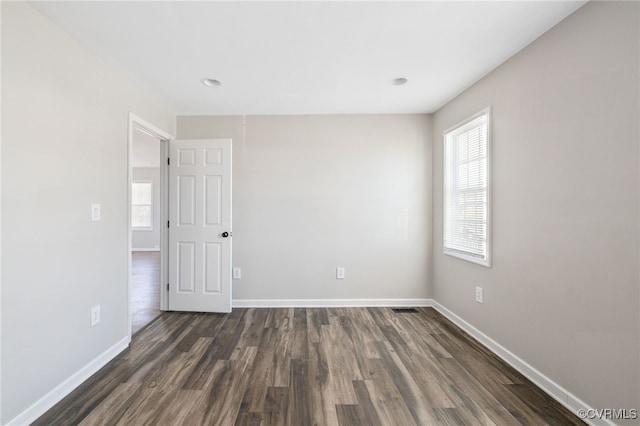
{"x":136,"y":122}
{"x":200,"y":225}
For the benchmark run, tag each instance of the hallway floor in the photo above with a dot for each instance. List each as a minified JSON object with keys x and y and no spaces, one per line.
{"x":145,"y":288}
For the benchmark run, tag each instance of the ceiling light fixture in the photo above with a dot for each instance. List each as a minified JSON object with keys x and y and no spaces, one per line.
{"x":399,"y":81}
{"x":211,"y":82}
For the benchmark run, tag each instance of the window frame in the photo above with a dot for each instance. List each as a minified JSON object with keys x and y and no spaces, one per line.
{"x":142,"y":228}
{"x":450,"y":132}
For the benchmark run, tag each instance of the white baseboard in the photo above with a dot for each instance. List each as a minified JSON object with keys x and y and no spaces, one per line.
{"x":145,"y":249}
{"x":65,"y":388}
{"x":328,"y":303}
{"x":557,"y":392}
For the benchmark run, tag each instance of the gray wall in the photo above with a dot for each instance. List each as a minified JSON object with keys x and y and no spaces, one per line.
{"x":148,"y":239}
{"x":311,"y":193}
{"x":64,"y":146}
{"x":563,"y":291}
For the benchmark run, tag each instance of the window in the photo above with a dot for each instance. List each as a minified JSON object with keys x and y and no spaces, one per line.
{"x":141,"y":205}
{"x":466,"y":190}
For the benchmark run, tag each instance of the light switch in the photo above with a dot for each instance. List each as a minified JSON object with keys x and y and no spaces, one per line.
{"x":95,"y":212}
{"x":95,"y":315}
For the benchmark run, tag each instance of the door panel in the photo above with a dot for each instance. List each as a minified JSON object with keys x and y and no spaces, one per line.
{"x":200,"y":217}
{"x":186,"y":198}
{"x":212,"y":262}
{"x":186,"y":268}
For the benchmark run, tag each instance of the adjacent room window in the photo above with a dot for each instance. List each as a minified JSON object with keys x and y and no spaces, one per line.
{"x":141,"y":205}
{"x":467,"y":190}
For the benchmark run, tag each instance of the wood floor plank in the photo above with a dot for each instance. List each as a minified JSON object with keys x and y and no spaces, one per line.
{"x":247,"y":418}
{"x":165,"y":331}
{"x":209,"y":398}
{"x":253,"y":328}
{"x":418,"y":362}
{"x":221,"y":348}
{"x":364,"y":331}
{"x":316,"y":317}
{"x":159,"y":352}
{"x":223,"y":401}
{"x":537,"y":401}
{"x":363,"y":335}
{"x":419,"y":406}
{"x":299,"y":396}
{"x":276,"y":407}
{"x":370,"y":417}
{"x":183,"y":404}
{"x":472,"y":356}
{"x":307,"y":366}
{"x":387,"y":400}
{"x":177,"y":370}
{"x":500,"y":410}
{"x":262,"y":376}
{"x":321,"y":394}
{"x":283,"y":322}
{"x":112,"y":408}
{"x":299,"y":342}
{"x":204,"y":325}
{"x":473,"y":412}
{"x":279,"y":317}
{"x":451,"y":417}
{"x":350,"y":415}
{"x":458,"y":341}
{"x":417,"y":327}
{"x":341,"y":364}
{"x":148,"y":406}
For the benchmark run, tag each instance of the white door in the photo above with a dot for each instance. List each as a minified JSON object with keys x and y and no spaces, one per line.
{"x":200,"y":225}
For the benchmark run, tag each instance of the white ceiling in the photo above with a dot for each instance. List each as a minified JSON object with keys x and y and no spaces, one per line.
{"x":306,"y":57}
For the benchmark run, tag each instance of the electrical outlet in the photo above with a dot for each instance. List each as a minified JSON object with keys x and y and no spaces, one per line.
{"x":479,"y":294}
{"x":95,"y":212}
{"x":237,"y":273}
{"x":95,"y":315}
{"x":340,"y":273}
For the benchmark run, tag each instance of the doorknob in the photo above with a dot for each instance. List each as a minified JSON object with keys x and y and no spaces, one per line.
{"x":225,"y":234}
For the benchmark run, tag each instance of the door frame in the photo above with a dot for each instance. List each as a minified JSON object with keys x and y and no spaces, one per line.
{"x":136,"y":122}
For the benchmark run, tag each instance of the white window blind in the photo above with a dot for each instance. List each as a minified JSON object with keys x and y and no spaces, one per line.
{"x":141,"y":205}
{"x":466,"y":190}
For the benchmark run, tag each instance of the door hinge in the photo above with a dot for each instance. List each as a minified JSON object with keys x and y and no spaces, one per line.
{"x":167,"y":286}
{"x":167,"y":224}
{"x":168,"y":161}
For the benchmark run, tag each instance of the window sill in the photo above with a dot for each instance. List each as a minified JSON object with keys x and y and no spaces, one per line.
{"x":486,"y":262}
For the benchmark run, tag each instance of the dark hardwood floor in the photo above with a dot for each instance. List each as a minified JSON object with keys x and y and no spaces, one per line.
{"x":145,"y":288}
{"x":338,"y":366}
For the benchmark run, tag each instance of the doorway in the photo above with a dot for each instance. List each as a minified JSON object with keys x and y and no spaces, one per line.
{"x":148,"y":150}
